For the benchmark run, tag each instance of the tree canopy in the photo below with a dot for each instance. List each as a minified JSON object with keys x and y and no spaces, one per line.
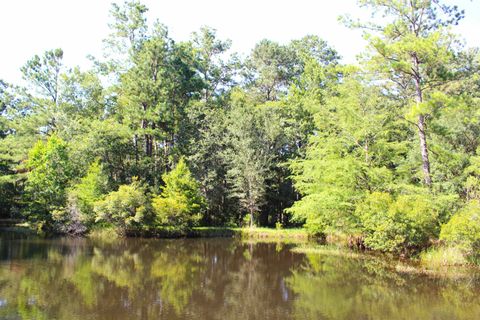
{"x":162,"y":133}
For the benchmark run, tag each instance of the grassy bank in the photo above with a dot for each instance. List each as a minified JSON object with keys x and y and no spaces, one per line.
{"x":251,"y":233}
{"x":264,"y":234}
{"x":442,"y":257}
{"x":296,"y":234}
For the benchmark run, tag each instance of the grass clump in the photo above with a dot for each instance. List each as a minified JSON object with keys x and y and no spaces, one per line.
{"x":270,"y":233}
{"x":440,"y":257}
{"x":106,"y":233}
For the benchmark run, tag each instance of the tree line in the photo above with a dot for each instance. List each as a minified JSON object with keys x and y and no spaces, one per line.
{"x":168,"y":135}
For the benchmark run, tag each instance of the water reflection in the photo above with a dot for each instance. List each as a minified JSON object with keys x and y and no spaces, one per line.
{"x":212,"y":279}
{"x":336,"y":287}
{"x":142,"y":279}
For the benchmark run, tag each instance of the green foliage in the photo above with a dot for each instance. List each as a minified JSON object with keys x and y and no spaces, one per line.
{"x":216,"y":72}
{"x":126,"y":208}
{"x":407,"y":222}
{"x":414,"y":57}
{"x":128,"y":27}
{"x":83,"y":195}
{"x":472,"y":182}
{"x":154,"y":98}
{"x":463,"y":229}
{"x":352,"y":152}
{"x":272,"y":67}
{"x":110,"y":142}
{"x":44,"y":73}
{"x":48,"y":179}
{"x":251,"y":138}
{"x":83,"y":95}
{"x":180,"y":204}
{"x":286,"y":127}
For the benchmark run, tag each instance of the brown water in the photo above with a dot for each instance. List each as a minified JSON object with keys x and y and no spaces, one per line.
{"x":214,"y":279}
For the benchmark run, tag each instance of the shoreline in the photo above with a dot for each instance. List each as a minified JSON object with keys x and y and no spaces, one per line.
{"x":264,"y":234}
{"x":306,"y":244}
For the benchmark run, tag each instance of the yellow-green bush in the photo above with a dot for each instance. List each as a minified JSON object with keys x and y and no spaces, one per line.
{"x":126,"y":208}
{"x":463,"y":229}
{"x":400,"y":224}
{"x":180,"y":204}
{"x":83,"y":195}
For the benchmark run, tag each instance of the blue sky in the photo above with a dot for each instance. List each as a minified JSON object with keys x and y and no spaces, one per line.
{"x":32,"y":26}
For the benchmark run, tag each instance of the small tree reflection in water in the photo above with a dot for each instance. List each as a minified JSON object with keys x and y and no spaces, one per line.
{"x":74,"y":278}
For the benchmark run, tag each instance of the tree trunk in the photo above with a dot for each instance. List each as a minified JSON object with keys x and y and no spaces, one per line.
{"x":422,"y":126}
{"x":135,"y":144}
{"x":148,"y":145}
{"x":148,"y":137}
{"x":424,"y":149}
{"x":251,"y":218}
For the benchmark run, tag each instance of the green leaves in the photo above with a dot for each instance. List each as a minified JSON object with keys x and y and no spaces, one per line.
{"x":389,"y":224}
{"x":251,"y":137}
{"x":433,"y":102}
{"x":126,"y":208}
{"x":463,"y":230}
{"x":272,"y":68}
{"x":288,"y":114}
{"x":44,"y":72}
{"x":48,"y":179}
{"x":350,"y":152}
{"x":180,"y":203}
{"x":90,"y":189}
{"x":128,"y":31}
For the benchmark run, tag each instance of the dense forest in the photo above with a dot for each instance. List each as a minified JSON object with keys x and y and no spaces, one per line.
{"x":162,"y":135}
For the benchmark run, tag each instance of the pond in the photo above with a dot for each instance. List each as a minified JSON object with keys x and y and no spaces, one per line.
{"x":69,"y":278}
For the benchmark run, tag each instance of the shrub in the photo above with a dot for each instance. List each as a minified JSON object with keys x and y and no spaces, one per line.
{"x":379,"y":228}
{"x":399,"y":224}
{"x":126,"y":208}
{"x":78,"y":214}
{"x":47,"y":180}
{"x":91,"y":188}
{"x":463,"y":229}
{"x":180,"y":203}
